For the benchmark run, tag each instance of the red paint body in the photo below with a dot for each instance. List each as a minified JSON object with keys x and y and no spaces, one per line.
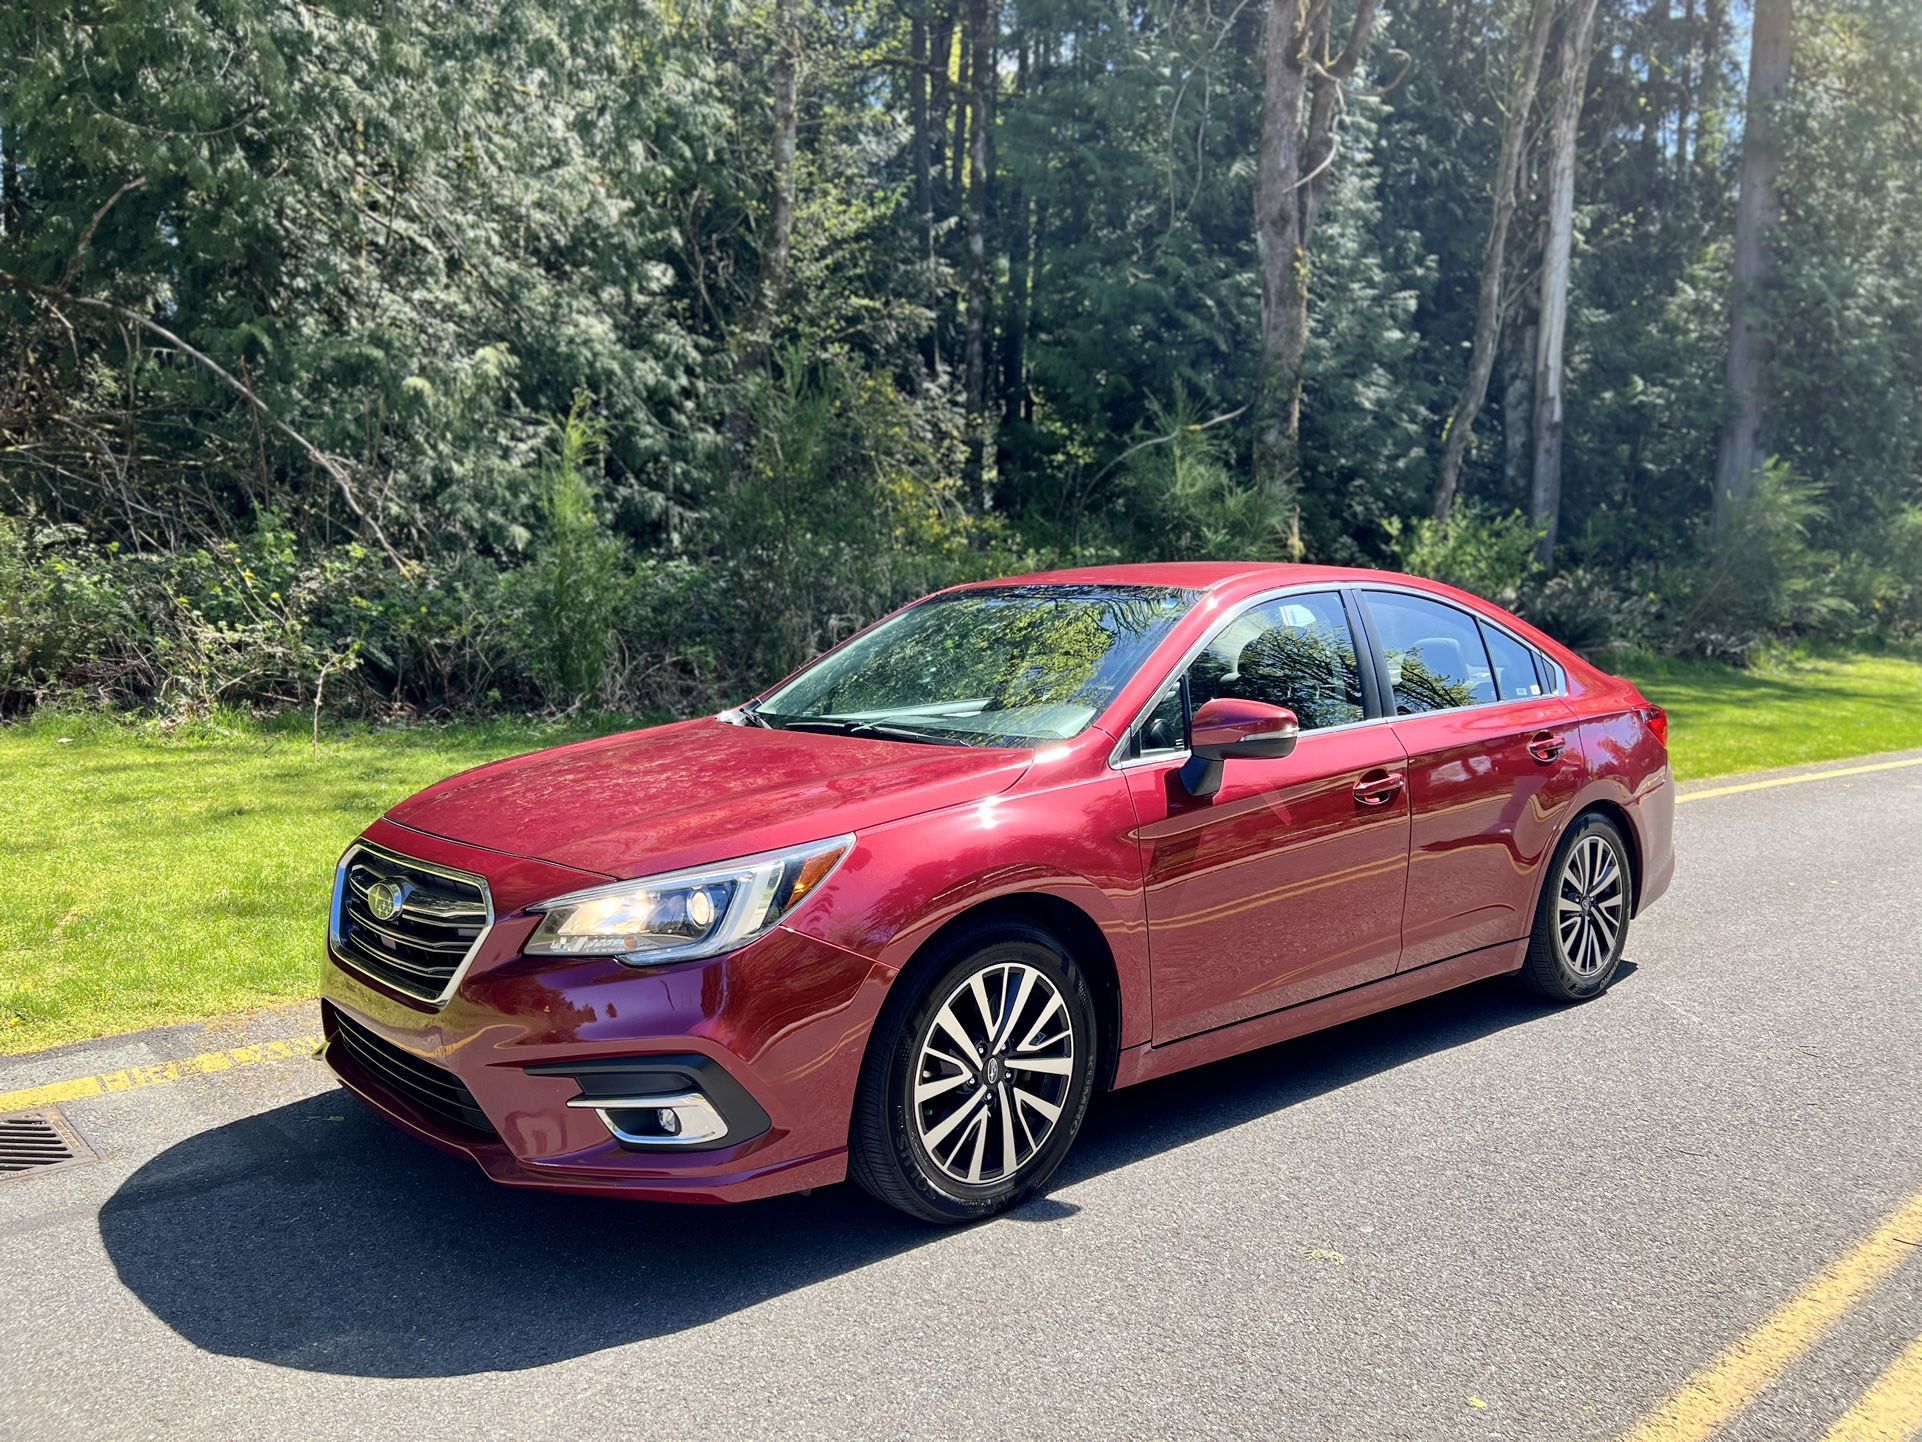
{"x":1378,"y":863}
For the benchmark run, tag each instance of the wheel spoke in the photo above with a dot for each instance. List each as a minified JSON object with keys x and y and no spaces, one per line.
{"x":1013,"y":1013}
{"x":1049,"y":1008}
{"x":1047,"y":1108}
{"x":978,"y":984}
{"x":951,"y":1024}
{"x":980,"y":1147}
{"x":934,"y":1136}
{"x":1009,"y":1159}
{"x":927,"y":1091}
{"x":1605,"y":871}
{"x":1054,"y":1065}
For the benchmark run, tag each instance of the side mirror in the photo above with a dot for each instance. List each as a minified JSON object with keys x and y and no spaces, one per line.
{"x":1227,"y":729}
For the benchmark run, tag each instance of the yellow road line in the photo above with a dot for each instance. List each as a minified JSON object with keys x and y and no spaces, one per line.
{"x":161,"y":1073}
{"x":1891,"y":1410}
{"x":1718,"y":1393}
{"x":1797,"y":780}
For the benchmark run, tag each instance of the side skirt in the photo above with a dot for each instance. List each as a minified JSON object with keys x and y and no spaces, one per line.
{"x":1144,"y":1063}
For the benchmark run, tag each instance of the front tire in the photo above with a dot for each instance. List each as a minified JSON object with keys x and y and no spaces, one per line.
{"x":978,"y":1076}
{"x":1581,"y":922}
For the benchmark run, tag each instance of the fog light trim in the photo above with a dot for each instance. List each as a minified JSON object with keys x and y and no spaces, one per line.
{"x":699,"y":1121}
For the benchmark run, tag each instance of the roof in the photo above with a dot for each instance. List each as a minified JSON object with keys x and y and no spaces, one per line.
{"x":1193,"y":575}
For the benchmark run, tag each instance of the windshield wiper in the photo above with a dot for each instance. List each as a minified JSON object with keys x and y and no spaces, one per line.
{"x":908,"y":733}
{"x":840,"y":726}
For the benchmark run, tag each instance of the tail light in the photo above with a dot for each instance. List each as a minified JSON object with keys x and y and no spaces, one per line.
{"x":1657,"y":719}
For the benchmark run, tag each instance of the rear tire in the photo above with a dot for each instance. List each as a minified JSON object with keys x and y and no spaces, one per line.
{"x":977,"y":1077}
{"x":1581,"y":921}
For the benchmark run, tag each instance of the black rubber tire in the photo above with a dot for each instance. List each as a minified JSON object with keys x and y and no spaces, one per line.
{"x":1545,"y":972}
{"x":884,"y":1153}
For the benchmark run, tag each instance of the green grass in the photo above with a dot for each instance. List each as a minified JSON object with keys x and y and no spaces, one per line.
{"x":149,"y":877}
{"x":1786,"y":712}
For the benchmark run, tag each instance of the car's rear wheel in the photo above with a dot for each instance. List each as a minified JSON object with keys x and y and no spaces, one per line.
{"x":1581,"y":922}
{"x":978,"y":1076}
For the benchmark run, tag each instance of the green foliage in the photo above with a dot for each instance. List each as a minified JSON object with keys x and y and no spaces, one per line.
{"x":1477,"y":548}
{"x":1767,"y":579}
{"x":1187,"y":499}
{"x":571,"y":595}
{"x":504,"y":269}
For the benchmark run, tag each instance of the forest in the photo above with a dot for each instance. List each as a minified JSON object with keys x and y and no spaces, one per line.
{"x":428,"y":359}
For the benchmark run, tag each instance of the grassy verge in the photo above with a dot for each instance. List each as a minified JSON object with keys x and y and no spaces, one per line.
{"x":153,"y":878}
{"x":157,"y":877}
{"x":1787,"y":712}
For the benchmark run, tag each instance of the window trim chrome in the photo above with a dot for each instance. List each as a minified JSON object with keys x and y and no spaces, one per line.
{"x":1119,"y":760}
{"x":336,"y":947}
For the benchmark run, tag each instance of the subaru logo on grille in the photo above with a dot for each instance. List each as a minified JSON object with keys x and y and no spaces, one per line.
{"x":386,"y":898}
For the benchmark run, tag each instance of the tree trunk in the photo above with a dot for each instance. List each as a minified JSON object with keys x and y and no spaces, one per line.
{"x":12,"y":209}
{"x":940,"y":103}
{"x":1284,"y":279}
{"x":1481,"y":358}
{"x":1291,"y":176}
{"x":1708,"y":95}
{"x":778,"y":257}
{"x":921,"y":154}
{"x":1545,"y":501}
{"x":1518,"y":408}
{"x":1740,"y":455}
{"x":985,"y":17}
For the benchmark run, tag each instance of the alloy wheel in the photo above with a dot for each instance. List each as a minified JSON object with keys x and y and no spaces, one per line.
{"x":993,"y":1073}
{"x":1590,"y":905}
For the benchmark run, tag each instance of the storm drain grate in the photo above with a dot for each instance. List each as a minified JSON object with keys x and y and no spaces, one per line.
{"x":38,"y":1141}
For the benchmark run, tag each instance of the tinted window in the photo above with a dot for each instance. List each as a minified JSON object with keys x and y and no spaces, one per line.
{"x":1296,"y":651}
{"x":1003,"y":665}
{"x":1434,"y":653}
{"x":1515,"y":674}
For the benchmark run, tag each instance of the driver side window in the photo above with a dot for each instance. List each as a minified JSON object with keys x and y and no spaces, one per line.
{"x":1294,"y":651}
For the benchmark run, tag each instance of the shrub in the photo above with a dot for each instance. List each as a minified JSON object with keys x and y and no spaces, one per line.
{"x":1766,"y":579}
{"x":1479,"y":549}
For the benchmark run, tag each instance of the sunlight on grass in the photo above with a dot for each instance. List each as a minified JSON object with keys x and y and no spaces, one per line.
{"x":1786,"y":713}
{"x":153,"y":879}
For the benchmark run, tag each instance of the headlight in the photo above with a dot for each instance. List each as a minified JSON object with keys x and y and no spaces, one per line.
{"x":685,"y":914}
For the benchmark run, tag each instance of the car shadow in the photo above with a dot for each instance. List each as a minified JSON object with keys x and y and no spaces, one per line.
{"x":315,"y":1236}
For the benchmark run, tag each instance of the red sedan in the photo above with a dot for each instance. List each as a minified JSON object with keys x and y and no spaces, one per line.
{"x":903,"y":914}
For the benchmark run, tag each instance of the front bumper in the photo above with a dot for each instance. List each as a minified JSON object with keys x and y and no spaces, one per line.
{"x":770,"y":1036}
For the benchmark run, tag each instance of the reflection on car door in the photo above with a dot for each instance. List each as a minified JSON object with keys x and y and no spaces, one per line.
{"x":1288,"y":883}
{"x":1492,"y":768}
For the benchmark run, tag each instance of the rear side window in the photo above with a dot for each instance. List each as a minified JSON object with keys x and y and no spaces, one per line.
{"x":1516,"y":675}
{"x":1294,"y":651}
{"x":1436,"y":660}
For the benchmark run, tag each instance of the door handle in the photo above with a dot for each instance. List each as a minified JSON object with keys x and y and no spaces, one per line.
{"x":1378,"y":788}
{"x":1546,"y":746}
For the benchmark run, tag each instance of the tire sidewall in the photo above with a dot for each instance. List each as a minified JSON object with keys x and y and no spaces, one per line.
{"x":990,"y":946}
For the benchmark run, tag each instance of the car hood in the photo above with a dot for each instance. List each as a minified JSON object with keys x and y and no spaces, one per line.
{"x":699,"y":791}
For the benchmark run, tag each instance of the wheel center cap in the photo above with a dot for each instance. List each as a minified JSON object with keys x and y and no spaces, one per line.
{"x":991,"y":1072}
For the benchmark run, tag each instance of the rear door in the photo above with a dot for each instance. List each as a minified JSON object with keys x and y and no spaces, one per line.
{"x":1287,"y":883}
{"x":1493,"y":765}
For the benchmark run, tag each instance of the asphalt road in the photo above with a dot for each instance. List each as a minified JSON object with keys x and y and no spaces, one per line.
{"x":1474,"y":1218}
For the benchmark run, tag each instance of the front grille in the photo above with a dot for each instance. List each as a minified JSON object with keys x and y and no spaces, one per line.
{"x":437,"y":918}
{"x":431,"y":1088}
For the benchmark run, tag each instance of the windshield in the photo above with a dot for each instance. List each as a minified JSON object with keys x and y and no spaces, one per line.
{"x":1007,"y":666}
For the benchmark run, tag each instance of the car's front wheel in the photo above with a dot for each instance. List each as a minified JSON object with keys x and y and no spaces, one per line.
{"x":979,"y":1075}
{"x":1581,"y":923}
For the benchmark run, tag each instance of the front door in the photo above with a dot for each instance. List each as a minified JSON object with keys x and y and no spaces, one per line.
{"x":1288,"y":883}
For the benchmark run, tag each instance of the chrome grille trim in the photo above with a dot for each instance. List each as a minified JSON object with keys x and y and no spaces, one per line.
{"x":414,"y":976}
